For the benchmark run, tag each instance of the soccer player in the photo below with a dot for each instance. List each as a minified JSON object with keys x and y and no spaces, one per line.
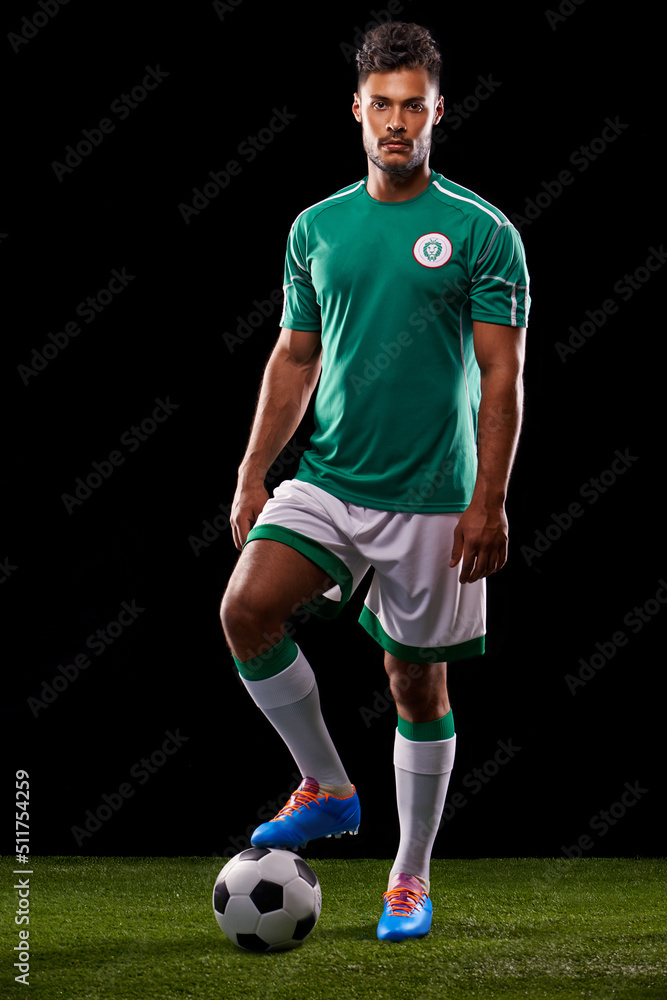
{"x":406,"y":295}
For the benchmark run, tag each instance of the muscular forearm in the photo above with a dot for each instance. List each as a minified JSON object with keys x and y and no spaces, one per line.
{"x":284,"y":394}
{"x":480,"y":538}
{"x":499,"y":423}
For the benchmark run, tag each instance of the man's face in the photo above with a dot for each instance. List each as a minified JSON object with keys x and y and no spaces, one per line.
{"x":397,"y":111}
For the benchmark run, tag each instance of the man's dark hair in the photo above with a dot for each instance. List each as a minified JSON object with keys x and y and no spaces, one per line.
{"x":397,"y":45}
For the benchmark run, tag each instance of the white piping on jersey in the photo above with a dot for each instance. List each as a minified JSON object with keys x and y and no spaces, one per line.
{"x":285,"y":287}
{"x":340,"y":194}
{"x":501,"y":225}
{"x":471,"y":201}
{"x":496,"y":277}
{"x":465,"y":378}
{"x":297,"y":277}
{"x":289,"y":285}
{"x":480,"y":260}
{"x":298,"y":262}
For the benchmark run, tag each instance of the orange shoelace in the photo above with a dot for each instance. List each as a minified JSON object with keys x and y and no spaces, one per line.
{"x":403,"y":901}
{"x":297,"y":801}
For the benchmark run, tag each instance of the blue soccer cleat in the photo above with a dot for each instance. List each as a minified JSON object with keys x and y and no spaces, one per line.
{"x":309,"y":813}
{"x":408,"y":910}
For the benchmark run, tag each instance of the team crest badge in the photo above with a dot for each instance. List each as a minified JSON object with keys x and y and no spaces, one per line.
{"x":432,"y":250}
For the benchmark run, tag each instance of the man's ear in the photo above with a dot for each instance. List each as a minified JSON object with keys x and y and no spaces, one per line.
{"x":439,"y":109}
{"x":356,"y":107}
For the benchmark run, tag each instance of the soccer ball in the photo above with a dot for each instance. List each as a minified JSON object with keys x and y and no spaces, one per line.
{"x":266,"y":899}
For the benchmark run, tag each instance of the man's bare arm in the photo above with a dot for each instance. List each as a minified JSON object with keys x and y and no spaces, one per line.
{"x":290,"y":377}
{"x":481,"y":536}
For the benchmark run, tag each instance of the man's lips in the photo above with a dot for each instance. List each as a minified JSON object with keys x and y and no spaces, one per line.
{"x":395,"y":144}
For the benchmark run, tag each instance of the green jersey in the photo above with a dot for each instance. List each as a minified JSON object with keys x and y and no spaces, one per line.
{"x":394,"y":288}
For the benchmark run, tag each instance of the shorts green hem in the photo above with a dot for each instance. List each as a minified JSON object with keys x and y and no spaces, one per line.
{"x":419,"y":654}
{"x":322,"y":606}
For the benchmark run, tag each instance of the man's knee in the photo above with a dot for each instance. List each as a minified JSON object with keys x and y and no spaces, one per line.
{"x":235,"y":614}
{"x":404,"y":678}
{"x":249,"y":618}
{"x":265,"y":589}
{"x":416,"y":685}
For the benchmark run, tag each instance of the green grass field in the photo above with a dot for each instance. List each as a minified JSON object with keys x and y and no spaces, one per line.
{"x":125,"y":928}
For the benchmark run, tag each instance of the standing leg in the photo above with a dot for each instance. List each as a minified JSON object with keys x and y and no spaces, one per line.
{"x":423,"y":759}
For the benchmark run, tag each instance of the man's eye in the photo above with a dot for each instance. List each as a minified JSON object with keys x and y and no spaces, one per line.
{"x":418,"y":107}
{"x":380,"y":105}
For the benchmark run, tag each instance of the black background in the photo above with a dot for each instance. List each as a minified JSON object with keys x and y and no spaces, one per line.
{"x":137,"y":537}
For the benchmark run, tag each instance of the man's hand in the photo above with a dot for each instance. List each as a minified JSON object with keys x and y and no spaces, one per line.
{"x":247,"y":505}
{"x":480,"y":539}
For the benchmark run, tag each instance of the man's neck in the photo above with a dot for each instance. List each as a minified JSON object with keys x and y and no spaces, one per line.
{"x":393,"y":187}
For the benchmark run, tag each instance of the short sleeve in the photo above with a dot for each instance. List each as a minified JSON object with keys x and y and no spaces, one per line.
{"x":301,"y":309}
{"x":499,"y":290}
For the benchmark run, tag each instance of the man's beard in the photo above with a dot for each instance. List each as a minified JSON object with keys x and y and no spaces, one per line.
{"x":402,"y":168}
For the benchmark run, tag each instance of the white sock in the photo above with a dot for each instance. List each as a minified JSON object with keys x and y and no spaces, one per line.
{"x":422,"y":771}
{"x":290,"y":700}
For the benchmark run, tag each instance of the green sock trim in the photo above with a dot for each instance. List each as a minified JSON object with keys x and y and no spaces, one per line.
{"x":272,"y":662}
{"x":424,"y":732}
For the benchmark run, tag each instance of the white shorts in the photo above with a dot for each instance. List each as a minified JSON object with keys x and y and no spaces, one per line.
{"x":415,"y":607}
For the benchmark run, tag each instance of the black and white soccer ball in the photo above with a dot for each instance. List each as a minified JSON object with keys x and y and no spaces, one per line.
{"x":266,"y":899}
